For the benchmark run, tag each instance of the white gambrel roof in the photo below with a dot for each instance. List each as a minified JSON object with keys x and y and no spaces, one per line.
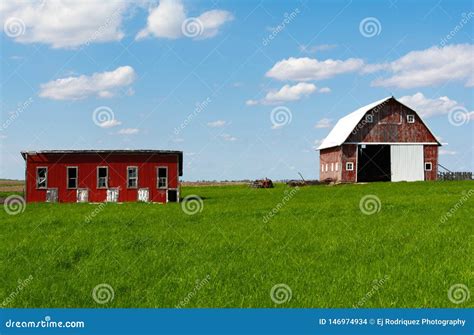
{"x":346,"y":125}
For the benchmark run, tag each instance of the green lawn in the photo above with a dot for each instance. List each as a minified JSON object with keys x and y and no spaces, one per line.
{"x":231,"y":254}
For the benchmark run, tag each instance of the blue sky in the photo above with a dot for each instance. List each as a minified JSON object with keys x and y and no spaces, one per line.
{"x":110,"y":75}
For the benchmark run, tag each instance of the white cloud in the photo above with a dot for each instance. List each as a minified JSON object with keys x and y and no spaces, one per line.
{"x":324,"y":90}
{"x":305,"y":69}
{"x":63,"y":24}
{"x":290,"y":93}
{"x":110,"y":123}
{"x":427,"y":107}
{"x":128,"y":131}
{"x":285,"y":94}
{"x":251,"y":102}
{"x":429,"y":67}
{"x":316,"y":48}
{"x":229,"y":138}
{"x":447,"y":152}
{"x":169,"y":20}
{"x":212,"y":21}
{"x":100,"y":84}
{"x":323,"y":123}
{"x":217,"y":124}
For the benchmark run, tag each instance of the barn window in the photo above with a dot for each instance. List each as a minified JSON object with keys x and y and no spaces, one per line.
{"x":350,"y":166}
{"x":428,"y":166}
{"x":102,"y":177}
{"x":41,"y":177}
{"x":411,"y":118}
{"x":369,"y":118}
{"x":327,"y":167}
{"x":332,"y":167}
{"x":162,"y":173}
{"x":132,"y":177}
{"x":322,"y":167}
{"x":71,"y":177}
{"x":337,"y":166}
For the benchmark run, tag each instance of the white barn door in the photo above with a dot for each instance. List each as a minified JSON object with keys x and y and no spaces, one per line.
{"x":407,"y":162}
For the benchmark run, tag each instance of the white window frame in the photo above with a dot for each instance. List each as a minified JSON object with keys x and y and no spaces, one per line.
{"x":337,"y":167}
{"x":327,"y":167}
{"x":369,"y":118}
{"x":106,"y":178}
{"x":349,"y":166}
{"x":46,"y":178}
{"x":410,"y":118}
{"x":129,"y":178}
{"x":322,"y":167}
{"x":158,"y":178}
{"x":332,"y":167}
{"x":431,"y":166}
{"x":67,"y":177}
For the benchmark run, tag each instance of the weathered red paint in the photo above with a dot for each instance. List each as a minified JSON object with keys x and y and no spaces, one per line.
{"x":389,"y":125}
{"x":87,"y":163}
{"x":328,"y":160}
{"x":431,"y":156}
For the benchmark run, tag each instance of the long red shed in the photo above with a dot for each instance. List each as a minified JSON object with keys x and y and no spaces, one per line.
{"x":103,"y":175}
{"x":383,"y":141}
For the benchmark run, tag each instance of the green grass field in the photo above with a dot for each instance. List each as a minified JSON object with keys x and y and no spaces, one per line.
{"x":318,"y":242}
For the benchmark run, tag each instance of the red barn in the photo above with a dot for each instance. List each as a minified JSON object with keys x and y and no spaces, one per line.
{"x":383,"y":141}
{"x":103,"y":175}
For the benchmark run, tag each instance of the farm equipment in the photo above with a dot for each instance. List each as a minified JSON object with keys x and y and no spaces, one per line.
{"x":262,"y":183}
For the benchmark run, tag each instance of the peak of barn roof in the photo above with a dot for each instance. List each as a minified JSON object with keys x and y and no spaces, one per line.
{"x":346,"y":125}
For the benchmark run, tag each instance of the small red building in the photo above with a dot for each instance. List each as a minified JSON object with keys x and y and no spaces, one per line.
{"x":103,"y":175}
{"x":383,"y":141}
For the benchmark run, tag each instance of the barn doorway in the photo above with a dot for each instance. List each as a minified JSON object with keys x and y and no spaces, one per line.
{"x":373,"y":163}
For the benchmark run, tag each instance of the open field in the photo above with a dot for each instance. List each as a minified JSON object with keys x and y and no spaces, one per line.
{"x":318,"y":242}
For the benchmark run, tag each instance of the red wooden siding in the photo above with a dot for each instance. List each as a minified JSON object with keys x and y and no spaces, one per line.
{"x":328,"y":158}
{"x":87,"y":175}
{"x":390,"y":125}
{"x":349,"y":154}
{"x":431,"y":155}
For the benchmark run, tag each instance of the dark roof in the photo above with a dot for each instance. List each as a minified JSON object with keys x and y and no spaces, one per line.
{"x":120,"y":151}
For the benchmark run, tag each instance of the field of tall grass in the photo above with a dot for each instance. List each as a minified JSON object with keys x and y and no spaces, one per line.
{"x":373,"y":245}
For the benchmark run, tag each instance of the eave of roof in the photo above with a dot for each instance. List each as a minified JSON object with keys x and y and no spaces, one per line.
{"x":119,"y":151}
